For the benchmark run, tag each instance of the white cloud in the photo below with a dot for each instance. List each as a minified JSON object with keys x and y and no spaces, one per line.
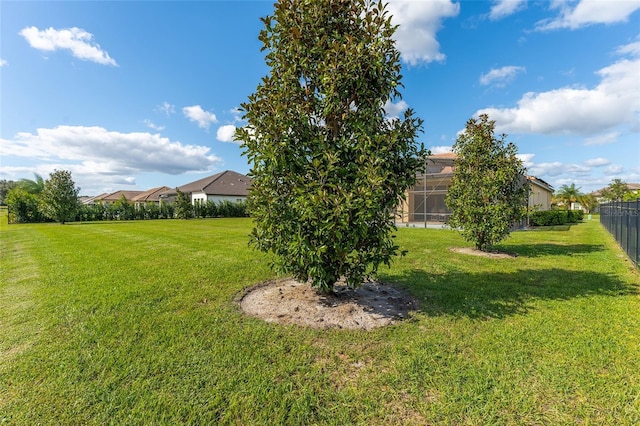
{"x":613,"y":102}
{"x":589,"y":12}
{"x":503,"y":8}
{"x":226,"y":133}
{"x":597,"y":162}
{"x":441,"y":149}
{"x":77,"y":40}
{"x":527,"y":159}
{"x":196,"y":114}
{"x":604,"y":139}
{"x":99,"y":151}
{"x":394,"y":110}
{"x":547,"y":169}
{"x":237,"y":114}
{"x":166,"y":108}
{"x":419,"y":21}
{"x":150,"y":124}
{"x":613,"y":169}
{"x":3,"y":63}
{"x":500,"y":77}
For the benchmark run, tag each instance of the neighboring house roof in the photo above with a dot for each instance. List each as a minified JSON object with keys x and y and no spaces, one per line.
{"x":92,"y":200}
{"x":444,"y":155}
{"x":223,"y":183}
{"x":115,"y":196}
{"x":539,"y":182}
{"x":150,"y":195}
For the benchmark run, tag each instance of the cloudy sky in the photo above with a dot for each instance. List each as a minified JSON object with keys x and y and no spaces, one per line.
{"x":134,"y":95}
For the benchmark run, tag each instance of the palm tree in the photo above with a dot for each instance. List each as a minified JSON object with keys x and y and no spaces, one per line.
{"x":35,"y":186}
{"x":568,"y":194}
{"x":588,"y":201}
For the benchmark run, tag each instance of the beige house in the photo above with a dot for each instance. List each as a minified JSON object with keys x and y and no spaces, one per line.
{"x":150,"y":196}
{"x":425,"y":202}
{"x":112,"y":197}
{"x":540,"y":194}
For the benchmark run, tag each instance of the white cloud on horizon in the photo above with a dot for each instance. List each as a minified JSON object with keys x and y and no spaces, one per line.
{"x":615,"y":101}
{"x":588,"y":12}
{"x":196,"y":114}
{"x":500,"y":77}
{"x":226,"y":133}
{"x":419,"y":21}
{"x":76,"y":40}
{"x":95,"y":150}
{"x":3,"y":63}
{"x":442,"y":149}
{"x":503,"y":8}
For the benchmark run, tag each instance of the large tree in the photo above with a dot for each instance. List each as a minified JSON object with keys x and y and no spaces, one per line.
{"x":488,"y":192}
{"x":616,"y":191}
{"x":328,"y":165}
{"x":59,"y":197}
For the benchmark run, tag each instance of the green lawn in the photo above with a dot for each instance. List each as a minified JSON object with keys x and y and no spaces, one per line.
{"x":135,"y":323}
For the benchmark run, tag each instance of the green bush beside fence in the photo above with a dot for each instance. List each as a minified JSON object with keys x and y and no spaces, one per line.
{"x":555,"y":217}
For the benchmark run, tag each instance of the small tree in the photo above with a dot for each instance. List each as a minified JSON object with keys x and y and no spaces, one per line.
{"x":488,"y":192}
{"x":183,"y":206}
{"x":60,"y":196}
{"x":24,"y":207}
{"x":328,"y":166}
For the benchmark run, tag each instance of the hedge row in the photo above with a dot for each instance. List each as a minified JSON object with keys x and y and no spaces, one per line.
{"x":28,"y":211}
{"x":555,"y":217}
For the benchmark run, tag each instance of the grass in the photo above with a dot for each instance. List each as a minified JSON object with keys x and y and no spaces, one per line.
{"x":135,"y":323}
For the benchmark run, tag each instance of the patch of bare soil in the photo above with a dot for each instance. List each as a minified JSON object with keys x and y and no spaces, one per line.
{"x":291,"y":302}
{"x":489,"y":254}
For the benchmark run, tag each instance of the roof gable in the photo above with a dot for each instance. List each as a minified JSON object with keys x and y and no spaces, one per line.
{"x":223,"y":183}
{"x":151,"y":194}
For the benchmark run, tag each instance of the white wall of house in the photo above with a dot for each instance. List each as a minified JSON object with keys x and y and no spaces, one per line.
{"x":201,"y":197}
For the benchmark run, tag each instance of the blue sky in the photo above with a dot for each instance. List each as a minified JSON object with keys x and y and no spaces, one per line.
{"x":134,"y":95}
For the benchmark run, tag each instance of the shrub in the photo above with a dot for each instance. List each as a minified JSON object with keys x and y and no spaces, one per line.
{"x":555,"y":217}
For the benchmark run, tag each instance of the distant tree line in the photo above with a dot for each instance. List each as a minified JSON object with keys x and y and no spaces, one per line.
{"x":56,"y":200}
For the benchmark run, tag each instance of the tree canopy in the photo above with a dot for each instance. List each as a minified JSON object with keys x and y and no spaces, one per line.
{"x":328,"y":166}
{"x":489,"y":190}
{"x":568,"y":194}
{"x":616,"y":191}
{"x":59,"y":198}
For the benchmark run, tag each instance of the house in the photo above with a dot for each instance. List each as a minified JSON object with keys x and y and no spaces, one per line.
{"x":425,"y":202}
{"x":540,"y":194}
{"x":93,"y":199}
{"x":150,"y":196}
{"x":223,"y":186}
{"x":112,"y":197}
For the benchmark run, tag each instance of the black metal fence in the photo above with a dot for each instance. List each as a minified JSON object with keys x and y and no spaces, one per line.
{"x":622,"y":220}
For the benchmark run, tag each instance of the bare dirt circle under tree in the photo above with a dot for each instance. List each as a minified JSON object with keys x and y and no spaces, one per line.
{"x":288,"y":301}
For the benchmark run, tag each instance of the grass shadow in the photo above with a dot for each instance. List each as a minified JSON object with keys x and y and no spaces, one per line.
{"x":499,"y":294}
{"x":550,"y":249}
